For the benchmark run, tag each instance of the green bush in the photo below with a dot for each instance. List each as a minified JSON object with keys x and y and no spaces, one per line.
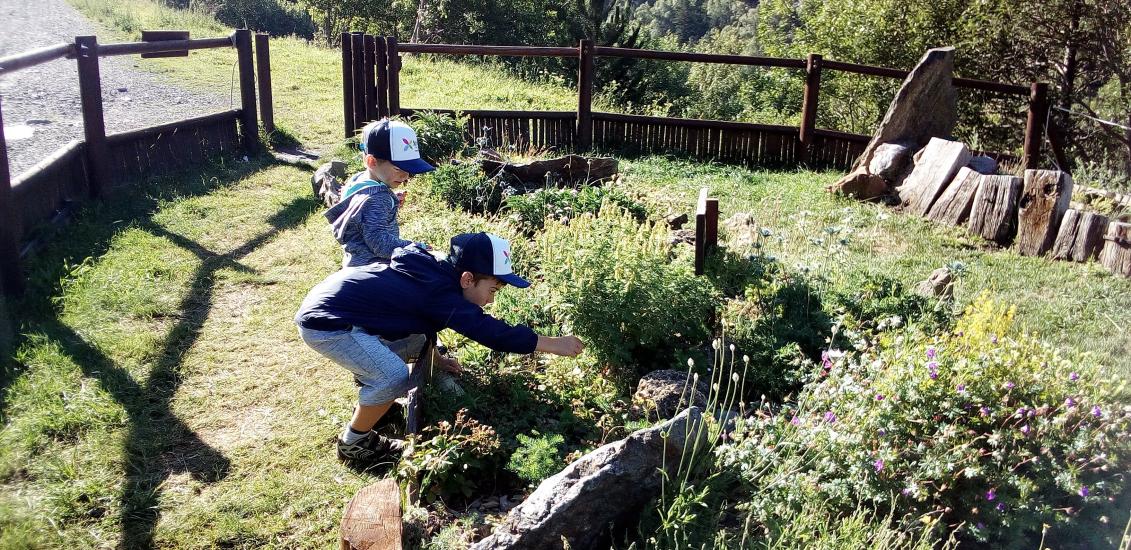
{"x":980,"y":431}
{"x":440,"y":135}
{"x":464,"y":186}
{"x":537,"y":457}
{"x":451,"y":460}
{"x":271,"y":16}
{"x":530,"y":210}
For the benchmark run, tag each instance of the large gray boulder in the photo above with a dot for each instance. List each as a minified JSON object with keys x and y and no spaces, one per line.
{"x":663,"y":393}
{"x":611,"y":483}
{"x":891,"y":161}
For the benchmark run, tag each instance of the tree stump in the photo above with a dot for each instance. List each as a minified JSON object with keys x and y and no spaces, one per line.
{"x":994,"y":214}
{"x":1080,"y":237}
{"x":1116,"y":254}
{"x":372,"y":520}
{"x":941,"y":159}
{"x":1043,"y":203}
{"x":953,"y":207}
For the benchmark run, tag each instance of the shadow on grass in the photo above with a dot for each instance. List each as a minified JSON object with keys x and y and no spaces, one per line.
{"x":158,"y":444}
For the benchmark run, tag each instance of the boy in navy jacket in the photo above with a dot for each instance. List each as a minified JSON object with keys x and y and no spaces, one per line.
{"x":375,"y":319}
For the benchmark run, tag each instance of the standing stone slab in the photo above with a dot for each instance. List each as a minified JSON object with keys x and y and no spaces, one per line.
{"x":1080,"y":237}
{"x":940,"y":162}
{"x":994,"y":214}
{"x":1043,"y":203}
{"x":1116,"y":254}
{"x":953,"y":207}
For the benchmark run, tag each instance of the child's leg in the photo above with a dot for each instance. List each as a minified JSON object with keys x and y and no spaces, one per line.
{"x":367,"y":416}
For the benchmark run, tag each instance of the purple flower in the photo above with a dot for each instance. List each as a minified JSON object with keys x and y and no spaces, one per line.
{"x":931,"y":352}
{"x":879,"y":397}
{"x":933,"y":370}
{"x":881,"y":432}
{"x":961,"y":388}
{"x":905,"y":491}
{"x":1009,"y":385}
{"x":993,"y":339}
{"x":991,"y":494}
{"x":1000,"y":507}
{"x":826,"y":361}
{"x":1074,"y":376}
{"x":984,"y":410}
{"x":879,"y":465}
{"x":934,"y":375}
{"x":1070,"y":403}
{"x":1096,"y":412}
{"x":1025,"y":429}
{"x":1083,"y":490}
{"x":795,"y":421}
{"x":830,"y":417}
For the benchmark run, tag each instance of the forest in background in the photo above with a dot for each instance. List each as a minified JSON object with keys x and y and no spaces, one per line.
{"x":1082,"y":48}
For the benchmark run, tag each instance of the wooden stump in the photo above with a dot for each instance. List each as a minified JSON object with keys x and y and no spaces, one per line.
{"x":372,"y":520}
{"x":994,"y":214}
{"x":953,"y":207}
{"x":1080,"y":237}
{"x":940,"y":161}
{"x":1116,"y":254}
{"x":1043,"y":203}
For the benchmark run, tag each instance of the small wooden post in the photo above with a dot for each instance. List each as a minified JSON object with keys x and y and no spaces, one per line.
{"x":347,"y":84}
{"x":359,"y":84}
{"x":1081,"y":236}
{"x":93,"y":123}
{"x":706,"y":229}
{"x":381,"y":92}
{"x":994,"y":213}
{"x":372,"y":520}
{"x":11,"y":278}
{"x":585,"y":96}
{"x":809,"y":104}
{"x":1116,"y":253}
{"x":1035,"y":125}
{"x":372,"y":59}
{"x":249,"y":124}
{"x":394,"y":75}
{"x":263,"y":68}
{"x":1044,"y":200}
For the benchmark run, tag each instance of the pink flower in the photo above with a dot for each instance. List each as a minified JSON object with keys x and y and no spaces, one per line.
{"x":830,"y":417}
{"x":1025,"y":429}
{"x":879,"y":397}
{"x":1009,"y":385}
{"x":991,"y":494}
{"x":795,"y":421}
{"x":879,"y":465}
{"x":1074,"y":376}
{"x":931,"y":352}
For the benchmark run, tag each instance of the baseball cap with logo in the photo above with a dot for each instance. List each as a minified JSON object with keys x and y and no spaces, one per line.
{"x":394,"y":141}
{"x":485,"y":254}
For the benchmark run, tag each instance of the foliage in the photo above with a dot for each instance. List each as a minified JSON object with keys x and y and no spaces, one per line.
{"x":980,"y":430}
{"x":537,"y":457}
{"x":865,"y":302}
{"x":464,"y":186}
{"x":531,"y":210}
{"x":451,"y":459}
{"x":440,"y":135}
{"x":271,"y":16}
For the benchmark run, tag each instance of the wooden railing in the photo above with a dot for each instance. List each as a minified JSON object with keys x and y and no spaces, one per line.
{"x":370,"y":75}
{"x":86,"y":169}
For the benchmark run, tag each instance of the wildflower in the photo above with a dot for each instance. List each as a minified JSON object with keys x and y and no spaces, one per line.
{"x":881,"y":432}
{"x":1083,"y":490}
{"x":690,"y":362}
{"x":1096,"y":412}
{"x":1074,"y":376}
{"x":826,"y":361}
{"x":734,"y":377}
{"x":961,"y":388}
{"x":795,"y":421}
{"x":906,"y":491}
{"x":1009,"y":385}
{"x":1070,"y":403}
{"x":830,"y":417}
{"x":931,"y":352}
{"x":993,"y":339}
{"x":745,"y":358}
{"x":732,"y":348}
{"x":984,"y":410}
{"x":1025,"y":429}
{"x":879,"y":397}
{"x":879,"y":465}
{"x":1000,"y":507}
{"x":991,"y":495}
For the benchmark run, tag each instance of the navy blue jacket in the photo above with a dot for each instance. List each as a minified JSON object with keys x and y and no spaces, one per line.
{"x":414,"y":294}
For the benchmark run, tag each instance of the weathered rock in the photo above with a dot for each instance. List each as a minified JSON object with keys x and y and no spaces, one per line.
{"x":676,"y":221}
{"x":861,"y":185}
{"x":682,"y":236}
{"x":983,"y":165}
{"x":666,"y":392}
{"x":939,"y":284}
{"x":891,"y":161}
{"x":327,"y":182}
{"x":609,"y":484}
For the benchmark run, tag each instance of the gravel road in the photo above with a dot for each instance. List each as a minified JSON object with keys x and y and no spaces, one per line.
{"x":41,"y":107}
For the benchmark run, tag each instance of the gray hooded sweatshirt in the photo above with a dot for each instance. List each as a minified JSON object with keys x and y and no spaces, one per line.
{"x":365,"y":222}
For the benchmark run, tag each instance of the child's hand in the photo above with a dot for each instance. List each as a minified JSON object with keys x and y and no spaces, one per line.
{"x":566,"y":346}
{"x":449,"y":364}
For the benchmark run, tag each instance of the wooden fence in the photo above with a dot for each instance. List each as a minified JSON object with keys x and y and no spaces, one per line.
{"x":371,"y":83}
{"x":85,"y":169}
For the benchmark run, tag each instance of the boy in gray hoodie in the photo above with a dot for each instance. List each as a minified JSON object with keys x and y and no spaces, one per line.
{"x":365,"y":220}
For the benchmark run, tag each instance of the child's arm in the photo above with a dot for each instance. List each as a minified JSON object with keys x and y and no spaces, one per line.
{"x":568,"y":346}
{"x":379,"y":226}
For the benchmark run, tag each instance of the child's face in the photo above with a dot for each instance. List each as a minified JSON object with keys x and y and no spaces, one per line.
{"x":481,"y":292}
{"x":385,"y":171}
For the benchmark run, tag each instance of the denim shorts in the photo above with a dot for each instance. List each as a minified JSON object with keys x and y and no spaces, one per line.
{"x":379,"y":366}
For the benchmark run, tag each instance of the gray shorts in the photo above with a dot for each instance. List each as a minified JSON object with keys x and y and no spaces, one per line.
{"x":380,"y":366}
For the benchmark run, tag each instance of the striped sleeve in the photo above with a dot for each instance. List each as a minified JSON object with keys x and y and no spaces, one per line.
{"x":379,"y":224}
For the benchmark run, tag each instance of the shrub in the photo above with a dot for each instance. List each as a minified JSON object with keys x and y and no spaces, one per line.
{"x":272,"y":16}
{"x":867,"y":302}
{"x":440,"y":135}
{"x":451,"y":460}
{"x":464,"y":186}
{"x":530,"y":210}
{"x":979,"y":430}
{"x":537,"y":457}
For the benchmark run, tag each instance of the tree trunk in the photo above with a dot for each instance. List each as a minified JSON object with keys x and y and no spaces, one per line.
{"x":1043,"y":202}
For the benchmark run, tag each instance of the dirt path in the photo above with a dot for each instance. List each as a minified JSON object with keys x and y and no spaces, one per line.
{"x":41,"y":108}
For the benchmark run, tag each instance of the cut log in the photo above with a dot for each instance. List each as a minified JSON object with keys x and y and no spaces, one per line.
{"x":940,"y":162}
{"x":953,"y":206}
{"x":373,"y":518}
{"x":570,"y":168}
{"x":994,"y":214}
{"x":1080,"y":237}
{"x":1043,"y":203}
{"x":1116,"y":254}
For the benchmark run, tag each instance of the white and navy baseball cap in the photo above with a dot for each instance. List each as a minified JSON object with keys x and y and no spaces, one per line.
{"x":394,"y":141}
{"x":485,"y":254}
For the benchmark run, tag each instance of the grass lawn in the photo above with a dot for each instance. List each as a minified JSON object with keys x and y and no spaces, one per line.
{"x":158,"y":394}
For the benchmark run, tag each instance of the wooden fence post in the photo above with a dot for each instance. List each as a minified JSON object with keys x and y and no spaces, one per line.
{"x":249,"y":123}
{"x":93,"y":123}
{"x":809,"y":104}
{"x":263,"y":68}
{"x":394,"y":75}
{"x":347,"y":84}
{"x":359,"y":84}
{"x":381,"y":58}
{"x":706,"y":228}
{"x":11,"y":278}
{"x":373,"y":57}
{"x":585,"y":96}
{"x":1035,"y":125}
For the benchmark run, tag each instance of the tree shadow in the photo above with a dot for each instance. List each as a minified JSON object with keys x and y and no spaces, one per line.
{"x":158,"y":444}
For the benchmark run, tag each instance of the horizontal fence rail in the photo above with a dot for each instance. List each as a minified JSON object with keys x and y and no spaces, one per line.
{"x":470,"y":49}
{"x":606,"y":51}
{"x":32,"y":58}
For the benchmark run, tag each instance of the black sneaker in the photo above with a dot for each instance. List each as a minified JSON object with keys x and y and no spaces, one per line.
{"x":371,"y":448}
